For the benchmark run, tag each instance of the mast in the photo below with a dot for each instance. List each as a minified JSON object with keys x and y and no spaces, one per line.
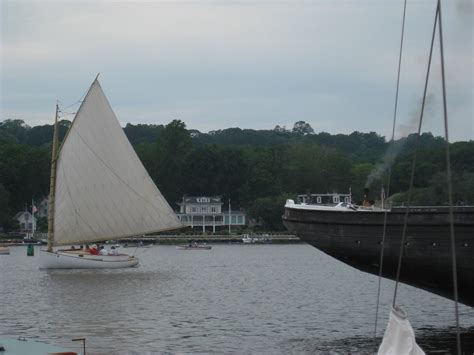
{"x":52,"y":183}
{"x":33,"y":223}
{"x":229,"y":216}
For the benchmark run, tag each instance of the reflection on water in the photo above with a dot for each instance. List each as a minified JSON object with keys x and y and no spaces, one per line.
{"x":431,"y":340}
{"x":233,"y":298}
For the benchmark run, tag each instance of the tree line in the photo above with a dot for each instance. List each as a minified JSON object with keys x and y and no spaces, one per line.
{"x":257,"y":170}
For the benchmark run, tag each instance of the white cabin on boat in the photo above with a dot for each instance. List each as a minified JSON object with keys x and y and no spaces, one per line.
{"x":206,"y":211}
{"x":324,"y":199}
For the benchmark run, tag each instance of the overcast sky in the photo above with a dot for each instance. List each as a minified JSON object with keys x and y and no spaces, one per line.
{"x":248,"y":63}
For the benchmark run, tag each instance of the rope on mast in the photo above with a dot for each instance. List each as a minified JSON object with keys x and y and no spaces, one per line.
{"x":450,"y":186}
{"x":448,"y":175}
{"x":389,"y":171}
{"x":412,"y":176}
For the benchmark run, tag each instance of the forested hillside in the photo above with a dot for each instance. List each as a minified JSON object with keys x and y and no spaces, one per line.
{"x":256,"y":169}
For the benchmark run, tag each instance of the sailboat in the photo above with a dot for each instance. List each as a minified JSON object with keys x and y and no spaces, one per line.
{"x":99,"y":190}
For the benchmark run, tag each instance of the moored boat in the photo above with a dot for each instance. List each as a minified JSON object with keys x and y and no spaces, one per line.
{"x":194,"y":246}
{"x":22,"y":345}
{"x":246,"y":239}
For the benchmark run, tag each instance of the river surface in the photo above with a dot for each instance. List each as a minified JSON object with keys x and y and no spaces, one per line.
{"x":276,"y":299}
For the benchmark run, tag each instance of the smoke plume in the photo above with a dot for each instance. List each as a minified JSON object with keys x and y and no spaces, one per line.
{"x":395,"y":147}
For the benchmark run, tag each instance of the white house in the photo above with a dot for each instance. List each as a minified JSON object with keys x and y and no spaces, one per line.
{"x":204,"y":211}
{"x":43,"y":208}
{"x":26,"y":220}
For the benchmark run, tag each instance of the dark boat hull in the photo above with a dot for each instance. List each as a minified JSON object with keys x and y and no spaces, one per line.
{"x":354,"y":237}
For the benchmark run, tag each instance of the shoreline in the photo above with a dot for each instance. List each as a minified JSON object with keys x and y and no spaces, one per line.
{"x":171,"y":239}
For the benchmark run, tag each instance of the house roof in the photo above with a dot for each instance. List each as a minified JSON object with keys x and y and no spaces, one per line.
{"x":19,"y":214}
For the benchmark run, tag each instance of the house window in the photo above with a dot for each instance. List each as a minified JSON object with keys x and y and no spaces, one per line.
{"x":240,"y":220}
{"x":213,"y":209}
{"x":346,"y":199}
{"x":318,"y":199}
{"x":193,"y":209}
{"x":335,"y":199}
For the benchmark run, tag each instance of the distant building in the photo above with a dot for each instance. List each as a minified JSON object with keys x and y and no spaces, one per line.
{"x":26,"y":220}
{"x":324,"y":199}
{"x":204,"y":211}
{"x":43,"y":208}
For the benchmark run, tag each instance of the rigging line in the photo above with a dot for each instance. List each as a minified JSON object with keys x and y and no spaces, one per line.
{"x":450,"y":186}
{"x":78,"y":101}
{"x":67,"y":113}
{"x":389,"y":170}
{"x":412,"y":176}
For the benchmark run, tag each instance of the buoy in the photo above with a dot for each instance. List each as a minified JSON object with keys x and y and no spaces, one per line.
{"x":30,"y":250}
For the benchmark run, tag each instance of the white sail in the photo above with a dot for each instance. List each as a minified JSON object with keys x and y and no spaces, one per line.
{"x":399,"y":337}
{"x":103,"y":191}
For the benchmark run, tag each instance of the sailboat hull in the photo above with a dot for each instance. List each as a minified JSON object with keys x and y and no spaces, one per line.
{"x":65,"y":260}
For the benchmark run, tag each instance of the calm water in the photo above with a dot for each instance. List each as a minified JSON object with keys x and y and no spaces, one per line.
{"x":275,"y":299}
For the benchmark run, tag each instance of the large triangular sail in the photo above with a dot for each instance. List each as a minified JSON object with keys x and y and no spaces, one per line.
{"x":102,"y":189}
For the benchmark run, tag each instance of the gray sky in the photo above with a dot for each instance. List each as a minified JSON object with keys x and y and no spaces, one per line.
{"x":248,"y":63}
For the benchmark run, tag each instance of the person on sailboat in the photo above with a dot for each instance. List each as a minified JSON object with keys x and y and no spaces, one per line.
{"x":103,"y":251}
{"x":93,"y":250}
{"x":113,"y":251}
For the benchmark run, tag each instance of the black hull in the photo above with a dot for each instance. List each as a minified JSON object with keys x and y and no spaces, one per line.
{"x":354,"y":237}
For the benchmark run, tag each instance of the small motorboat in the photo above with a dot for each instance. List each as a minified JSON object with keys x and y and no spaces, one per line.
{"x":194,"y":246}
{"x":28,"y":346}
{"x":246,"y":239}
{"x":4,"y":250}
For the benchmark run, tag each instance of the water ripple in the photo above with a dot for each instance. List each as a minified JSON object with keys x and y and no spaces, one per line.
{"x":276,"y":299}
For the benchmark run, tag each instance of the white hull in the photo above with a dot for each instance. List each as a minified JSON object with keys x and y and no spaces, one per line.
{"x":68,"y":260}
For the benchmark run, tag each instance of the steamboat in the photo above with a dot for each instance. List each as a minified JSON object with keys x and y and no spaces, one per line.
{"x":353,"y":234}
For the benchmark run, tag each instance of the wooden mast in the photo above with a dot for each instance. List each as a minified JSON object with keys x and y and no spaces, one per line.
{"x":52,"y":183}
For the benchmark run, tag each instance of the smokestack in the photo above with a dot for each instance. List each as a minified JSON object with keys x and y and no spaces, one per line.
{"x":366,"y":202}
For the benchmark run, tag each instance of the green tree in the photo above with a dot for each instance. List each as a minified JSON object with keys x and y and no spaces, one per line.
{"x":172,"y":149}
{"x":302,"y":128}
{"x":267,"y":211}
{"x":16,"y":128}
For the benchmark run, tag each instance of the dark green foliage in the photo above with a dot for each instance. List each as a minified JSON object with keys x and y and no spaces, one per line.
{"x":15,"y":128}
{"x":266,"y":212}
{"x":42,"y":225}
{"x":241,"y":137}
{"x":302,"y":128}
{"x":255,"y":169}
{"x":215,"y":170}
{"x":172,"y":149}
{"x":142,"y":133}
{"x":436,"y":193}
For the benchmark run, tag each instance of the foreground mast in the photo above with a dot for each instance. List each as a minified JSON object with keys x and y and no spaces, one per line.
{"x":52,"y":183}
